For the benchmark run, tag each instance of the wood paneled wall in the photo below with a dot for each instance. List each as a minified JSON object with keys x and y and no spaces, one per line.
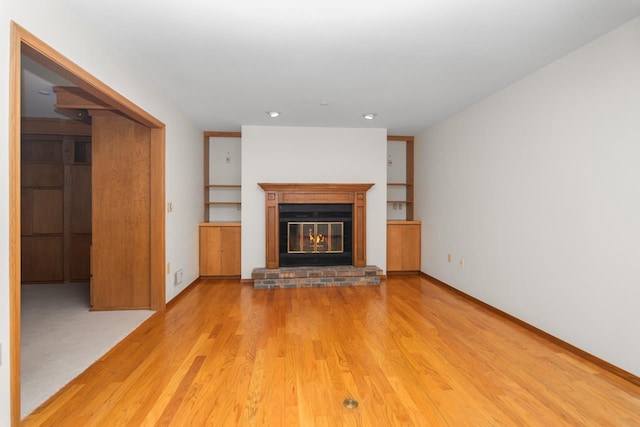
{"x":55,"y":201}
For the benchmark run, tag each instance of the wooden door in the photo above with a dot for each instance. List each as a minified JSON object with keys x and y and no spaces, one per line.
{"x":230,"y":251}
{"x":394,"y":247}
{"x":411,"y":247}
{"x":210,"y":251}
{"x":120,"y":213}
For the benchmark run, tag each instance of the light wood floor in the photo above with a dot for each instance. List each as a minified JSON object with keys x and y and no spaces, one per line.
{"x":409,"y":351}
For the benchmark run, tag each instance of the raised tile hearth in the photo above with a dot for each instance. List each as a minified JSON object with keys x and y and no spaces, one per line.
{"x":300,"y":277}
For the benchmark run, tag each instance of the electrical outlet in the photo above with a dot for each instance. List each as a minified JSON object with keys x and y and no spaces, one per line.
{"x":178,"y":277}
{"x":448,"y":257}
{"x":168,"y":268}
{"x":169,"y":207}
{"x":461,"y":263}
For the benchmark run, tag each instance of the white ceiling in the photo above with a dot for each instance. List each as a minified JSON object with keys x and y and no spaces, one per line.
{"x":413,"y":62}
{"x":37,"y":94}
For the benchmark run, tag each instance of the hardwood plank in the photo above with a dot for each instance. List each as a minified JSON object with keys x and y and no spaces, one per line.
{"x":410,"y":351}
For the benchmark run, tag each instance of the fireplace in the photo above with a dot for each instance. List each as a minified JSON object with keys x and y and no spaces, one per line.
{"x":315,"y":234}
{"x":288,"y":200}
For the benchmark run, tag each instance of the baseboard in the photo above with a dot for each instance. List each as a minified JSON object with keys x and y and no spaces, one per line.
{"x":402,"y":273}
{"x":619,"y":372}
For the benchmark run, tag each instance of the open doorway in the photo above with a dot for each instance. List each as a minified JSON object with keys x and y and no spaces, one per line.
{"x":135,"y":119}
{"x":55,"y":183}
{"x":60,"y":337}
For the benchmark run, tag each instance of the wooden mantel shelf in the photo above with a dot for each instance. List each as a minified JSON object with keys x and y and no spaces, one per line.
{"x":332,"y":187}
{"x":355,"y":194}
{"x":315,"y":193}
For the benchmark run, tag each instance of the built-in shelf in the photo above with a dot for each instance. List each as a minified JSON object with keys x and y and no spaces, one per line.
{"x":400,"y":173}
{"x":221,"y":166}
{"x":222,"y":203}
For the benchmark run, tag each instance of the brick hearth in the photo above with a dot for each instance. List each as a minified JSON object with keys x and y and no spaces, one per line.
{"x":299,"y":277}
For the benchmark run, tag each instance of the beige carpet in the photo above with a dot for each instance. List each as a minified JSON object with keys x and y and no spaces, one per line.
{"x":61,"y":337}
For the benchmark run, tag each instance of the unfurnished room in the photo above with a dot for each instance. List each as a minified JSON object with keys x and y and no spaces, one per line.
{"x":345,"y":213}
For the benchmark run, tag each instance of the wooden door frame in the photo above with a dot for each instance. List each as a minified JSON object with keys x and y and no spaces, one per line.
{"x":23,"y":42}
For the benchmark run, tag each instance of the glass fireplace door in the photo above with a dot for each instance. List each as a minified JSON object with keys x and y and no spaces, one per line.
{"x":315,"y":237}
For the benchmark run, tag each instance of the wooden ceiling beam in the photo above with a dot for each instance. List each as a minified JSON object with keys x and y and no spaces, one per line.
{"x":75,"y":98}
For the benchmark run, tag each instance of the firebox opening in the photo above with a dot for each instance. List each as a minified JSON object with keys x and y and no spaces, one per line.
{"x":315,"y":234}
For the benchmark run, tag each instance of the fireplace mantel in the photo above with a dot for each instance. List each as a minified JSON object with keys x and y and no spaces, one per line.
{"x":355,"y":194}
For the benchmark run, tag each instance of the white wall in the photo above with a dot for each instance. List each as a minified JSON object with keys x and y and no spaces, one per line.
{"x":537,"y":188}
{"x":57,"y":27}
{"x":323,"y":155}
{"x":5,"y":394}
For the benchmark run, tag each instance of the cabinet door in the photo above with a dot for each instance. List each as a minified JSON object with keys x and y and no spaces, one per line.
{"x":394,"y":247}
{"x":230,"y":251}
{"x":209,"y":251}
{"x":411,"y":247}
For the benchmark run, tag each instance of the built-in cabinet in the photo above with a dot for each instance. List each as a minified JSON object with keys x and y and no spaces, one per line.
{"x":220,"y":249}
{"x":403,"y":233}
{"x":55,"y":190}
{"x":403,"y":246}
{"x":220,"y":231}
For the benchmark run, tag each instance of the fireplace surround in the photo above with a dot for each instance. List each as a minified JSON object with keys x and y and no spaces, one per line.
{"x":312,"y":193}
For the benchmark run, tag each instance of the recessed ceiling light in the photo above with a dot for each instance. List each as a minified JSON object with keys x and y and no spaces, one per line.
{"x":369,"y":116}
{"x":273,"y":114}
